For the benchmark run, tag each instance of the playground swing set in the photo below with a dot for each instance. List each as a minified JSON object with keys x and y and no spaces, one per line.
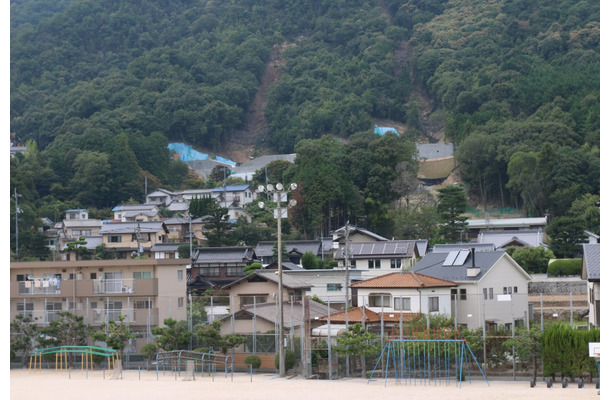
{"x":86,"y":352}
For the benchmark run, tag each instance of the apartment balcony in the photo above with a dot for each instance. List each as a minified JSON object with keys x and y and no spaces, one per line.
{"x":98,"y":315}
{"x":85,"y":288}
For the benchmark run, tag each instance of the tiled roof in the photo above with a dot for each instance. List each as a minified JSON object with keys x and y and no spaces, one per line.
{"x":223,"y":254}
{"x":292,"y":312}
{"x":354,"y":316}
{"x":403,"y":280}
{"x":265,"y":248}
{"x":433,"y":265}
{"x":591,"y":260}
{"x":288,"y":281}
{"x":73,"y":223}
{"x":446,"y":248}
{"x":389,"y":248}
{"x":131,"y":227}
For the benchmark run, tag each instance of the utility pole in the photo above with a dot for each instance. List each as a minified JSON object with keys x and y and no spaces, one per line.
{"x":346,"y":262}
{"x":17,"y":211}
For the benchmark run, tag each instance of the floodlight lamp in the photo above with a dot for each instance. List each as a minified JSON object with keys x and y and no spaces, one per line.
{"x":261,"y":204}
{"x":270,"y":188}
{"x":279,"y":186}
{"x":261,"y":188}
{"x":293,"y":186}
{"x":292,"y":203}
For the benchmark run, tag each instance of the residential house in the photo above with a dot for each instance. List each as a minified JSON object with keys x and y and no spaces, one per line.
{"x":128,"y":238}
{"x":247,"y":170}
{"x":160,"y":197}
{"x":136,"y":212}
{"x":591,"y":273}
{"x":145,"y":291}
{"x":77,"y":225}
{"x":233,"y":195}
{"x":221,"y":265}
{"x":329,"y":285}
{"x":182,"y":229}
{"x":404,"y":294}
{"x":236,"y":212}
{"x":166,"y":250}
{"x":518,"y":238}
{"x":253,"y":303}
{"x":492,"y":291}
{"x":381,"y":257}
{"x":294,"y":248}
{"x":475,"y":226}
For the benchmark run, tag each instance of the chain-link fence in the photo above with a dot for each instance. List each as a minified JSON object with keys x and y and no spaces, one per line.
{"x":496,"y":325}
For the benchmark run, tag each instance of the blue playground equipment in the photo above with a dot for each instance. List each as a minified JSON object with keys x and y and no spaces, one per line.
{"x":426,"y":361}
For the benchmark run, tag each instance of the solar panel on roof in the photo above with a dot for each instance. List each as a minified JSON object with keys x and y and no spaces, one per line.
{"x":461,"y":258}
{"x":450,"y":257}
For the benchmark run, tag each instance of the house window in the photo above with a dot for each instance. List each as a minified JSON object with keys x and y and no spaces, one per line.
{"x":141,"y":304}
{"x":402,"y":303}
{"x":210,"y":271}
{"x":379,"y":300}
{"x":114,"y":239}
{"x":462,"y":294}
{"x":52,"y":310}
{"x":27,"y":309}
{"x":353,"y":264}
{"x":454,"y":293}
{"x":507,"y":290}
{"x":491,"y":293}
{"x":374,"y":264}
{"x":484,"y":293}
{"x":295,"y":296}
{"x":93,"y":276}
{"x":247,"y":300}
{"x":235,"y":271}
{"x":433,"y":304}
{"x":142,"y":275}
{"x":396,"y":263}
{"x":334,"y":287}
{"x":180,"y":302}
{"x":515,"y":289}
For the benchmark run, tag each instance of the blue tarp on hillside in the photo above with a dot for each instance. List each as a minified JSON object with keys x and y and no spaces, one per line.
{"x":187,"y":153}
{"x":382,"y":130}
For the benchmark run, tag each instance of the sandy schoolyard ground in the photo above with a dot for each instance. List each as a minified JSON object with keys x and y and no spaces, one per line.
{"x":135,"y":385}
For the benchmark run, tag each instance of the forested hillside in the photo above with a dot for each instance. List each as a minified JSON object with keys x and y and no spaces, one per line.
{"x":99,"y":88}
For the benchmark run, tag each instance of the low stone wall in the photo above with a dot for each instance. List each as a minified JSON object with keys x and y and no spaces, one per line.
{"x":558,"y":287}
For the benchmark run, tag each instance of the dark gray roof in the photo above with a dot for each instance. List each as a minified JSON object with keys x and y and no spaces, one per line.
{"x":265,"y":248}
{"x":92,"y":242}
{"x":292,"y":312}
{"x":260,"y":162}
{"x":591,"y":261}
{"x":131,"y":227}
{"x":432,"y":265}
{"x":287,"y":280}
{"x":166,"y":246}
{"x":388,"y":248}
{"x":223,"y":255}
{"x":529,"y":237}
{"x":446,"y":248}
{"x":354,"y":229}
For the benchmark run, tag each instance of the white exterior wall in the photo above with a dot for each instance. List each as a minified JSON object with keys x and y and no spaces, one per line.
{"x":501,"y":310}
{"x":420,"y":299}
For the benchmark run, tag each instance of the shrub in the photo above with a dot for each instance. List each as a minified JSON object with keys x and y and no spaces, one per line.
{"x":565,"y":267}
{"x":290,"y":359}
{"x":253,"y":360}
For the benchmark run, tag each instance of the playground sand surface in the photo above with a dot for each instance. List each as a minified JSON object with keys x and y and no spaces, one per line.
{"x":134,"y":385}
